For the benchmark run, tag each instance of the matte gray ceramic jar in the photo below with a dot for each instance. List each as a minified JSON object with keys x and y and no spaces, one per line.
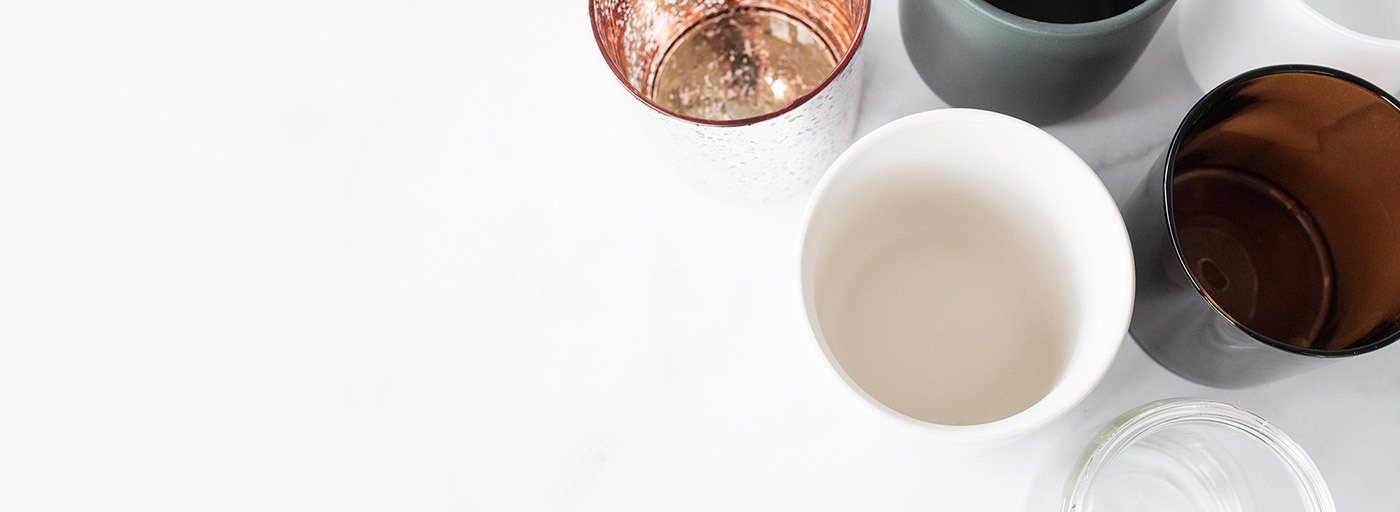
{"x":974,"y":54}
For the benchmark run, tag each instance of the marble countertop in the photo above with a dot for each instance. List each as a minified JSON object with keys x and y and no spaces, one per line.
{"x":321,"y":255}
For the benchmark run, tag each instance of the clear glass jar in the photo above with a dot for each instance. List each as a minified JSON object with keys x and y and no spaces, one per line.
{"x":1192,"y":454}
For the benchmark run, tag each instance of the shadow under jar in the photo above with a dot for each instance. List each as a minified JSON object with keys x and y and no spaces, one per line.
{"x":1267,"y":240}
{"x":748,"y":99}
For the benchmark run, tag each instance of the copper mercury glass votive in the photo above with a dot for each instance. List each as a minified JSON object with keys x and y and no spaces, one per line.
{"x":748,"y":99}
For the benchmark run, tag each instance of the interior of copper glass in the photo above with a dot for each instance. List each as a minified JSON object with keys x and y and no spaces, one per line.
{"x":635,"y":34}
{"x":1325,"y":151}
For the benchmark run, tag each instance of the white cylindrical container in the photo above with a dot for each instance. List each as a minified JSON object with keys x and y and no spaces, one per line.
{"x":1223,"y":38}
{"x":967,"y":275}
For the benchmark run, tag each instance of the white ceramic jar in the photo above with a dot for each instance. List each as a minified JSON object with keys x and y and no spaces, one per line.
{"x":1223,"y":38}
{"x":966,"y":274}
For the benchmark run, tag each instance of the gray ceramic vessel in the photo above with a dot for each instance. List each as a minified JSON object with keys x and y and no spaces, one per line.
{"x":975,"y":54}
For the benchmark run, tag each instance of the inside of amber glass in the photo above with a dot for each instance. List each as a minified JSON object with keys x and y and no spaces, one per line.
{"x":1291,"y":183}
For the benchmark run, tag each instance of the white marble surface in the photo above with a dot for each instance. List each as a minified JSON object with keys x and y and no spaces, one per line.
{"x":314,"y":255}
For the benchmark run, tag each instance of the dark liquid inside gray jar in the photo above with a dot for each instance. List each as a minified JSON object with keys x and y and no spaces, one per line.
{"x":1065,"y":11}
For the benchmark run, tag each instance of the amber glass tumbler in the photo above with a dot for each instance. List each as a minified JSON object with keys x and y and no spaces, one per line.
{"x":1267,"y":238}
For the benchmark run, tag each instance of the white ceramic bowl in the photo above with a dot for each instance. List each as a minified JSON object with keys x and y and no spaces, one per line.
{"x":952,"y":183}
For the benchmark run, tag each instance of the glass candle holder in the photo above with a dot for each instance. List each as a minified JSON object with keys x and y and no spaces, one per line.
{"x":1189,"y":454}
{"x":1265,"y":238}
{"x":748,"y":99}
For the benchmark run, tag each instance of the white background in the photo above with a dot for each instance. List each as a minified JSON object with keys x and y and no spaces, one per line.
{"x":348,"y":255}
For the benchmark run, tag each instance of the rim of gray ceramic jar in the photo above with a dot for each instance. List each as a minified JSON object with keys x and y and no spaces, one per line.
{"x":1064,"y":30}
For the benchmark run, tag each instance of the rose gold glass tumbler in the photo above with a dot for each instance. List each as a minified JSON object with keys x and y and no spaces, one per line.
{"x":748,"y":99}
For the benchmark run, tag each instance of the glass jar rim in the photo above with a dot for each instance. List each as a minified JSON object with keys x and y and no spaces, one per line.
{"x":1146,"y":420}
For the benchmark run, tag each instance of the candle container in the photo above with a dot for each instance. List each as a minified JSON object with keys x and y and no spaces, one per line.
{"x":749,"y":100}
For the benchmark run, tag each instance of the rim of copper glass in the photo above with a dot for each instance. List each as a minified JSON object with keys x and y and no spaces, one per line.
{"x":1187,"y":127}
{"x":840,"y":67}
